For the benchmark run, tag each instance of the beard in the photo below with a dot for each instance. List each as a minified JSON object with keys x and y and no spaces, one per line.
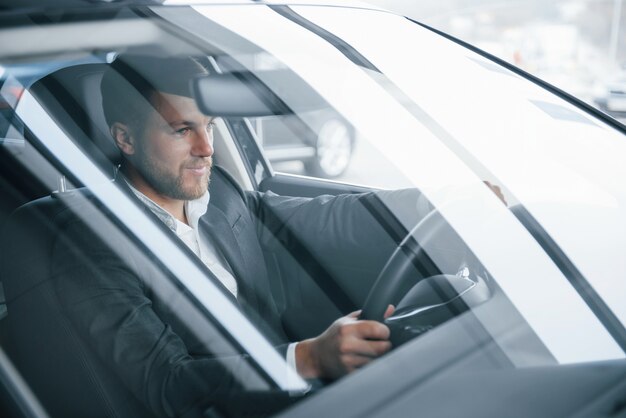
{"x":172,"y":184}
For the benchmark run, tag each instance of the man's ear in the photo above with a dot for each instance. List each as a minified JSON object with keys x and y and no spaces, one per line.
{"x":123,"y":138}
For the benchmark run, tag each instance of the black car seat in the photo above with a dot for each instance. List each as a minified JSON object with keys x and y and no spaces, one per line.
{"x":63,"y":373}
{"x":72,"y":98}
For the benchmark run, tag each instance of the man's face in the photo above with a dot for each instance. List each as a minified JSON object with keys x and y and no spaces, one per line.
{"x":173,"y":151}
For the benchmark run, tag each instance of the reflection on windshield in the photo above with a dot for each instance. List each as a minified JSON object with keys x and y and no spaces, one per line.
{"x":197,"y":278}
{"x":420,"y":148}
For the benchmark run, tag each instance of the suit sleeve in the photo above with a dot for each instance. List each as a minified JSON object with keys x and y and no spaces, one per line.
{"x":344,"y":225}
{"x":112,"y":310}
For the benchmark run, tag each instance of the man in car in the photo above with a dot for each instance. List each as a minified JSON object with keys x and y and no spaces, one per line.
{"x":167,"y":146}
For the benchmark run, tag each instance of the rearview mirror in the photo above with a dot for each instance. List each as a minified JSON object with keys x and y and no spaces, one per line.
{"x":246,"y":94}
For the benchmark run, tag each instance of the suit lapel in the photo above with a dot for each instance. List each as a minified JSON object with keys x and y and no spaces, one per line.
{"x":217,"y":226}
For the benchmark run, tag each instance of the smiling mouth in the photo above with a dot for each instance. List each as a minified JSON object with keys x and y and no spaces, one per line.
{"x":198,"y":170}
{"x":201,"y":167}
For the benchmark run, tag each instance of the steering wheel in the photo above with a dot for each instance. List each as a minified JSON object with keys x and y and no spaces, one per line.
{"x":433,"y":297}
{"x":403,"y":266}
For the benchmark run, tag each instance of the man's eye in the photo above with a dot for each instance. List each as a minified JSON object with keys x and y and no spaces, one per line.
{"x":182,"y":131}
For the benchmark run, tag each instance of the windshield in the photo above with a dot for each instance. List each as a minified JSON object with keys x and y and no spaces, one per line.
{"x":347,"y":169}
{"x":447,"y":136}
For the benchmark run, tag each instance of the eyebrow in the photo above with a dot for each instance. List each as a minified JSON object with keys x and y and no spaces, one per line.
{"x":186,"y":122}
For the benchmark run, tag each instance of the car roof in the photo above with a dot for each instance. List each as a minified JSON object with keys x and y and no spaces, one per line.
{"x":51,"y":5}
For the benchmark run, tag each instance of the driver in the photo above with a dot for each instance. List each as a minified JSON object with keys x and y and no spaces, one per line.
{"x":166,"y":145}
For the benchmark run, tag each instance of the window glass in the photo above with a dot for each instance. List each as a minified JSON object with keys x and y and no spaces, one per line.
{"x":323,"y":144}
{"x":512,"y":132}
{"x":77,"y":282}
{"x":406,"y":119}
{"x":175,"y":321}
{"x":129,"y":317}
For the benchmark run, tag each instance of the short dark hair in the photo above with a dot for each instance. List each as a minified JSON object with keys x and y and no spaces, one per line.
{"x":129,"y":83}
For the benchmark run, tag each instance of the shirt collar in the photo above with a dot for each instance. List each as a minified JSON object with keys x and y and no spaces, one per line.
{"x":194,"y":209}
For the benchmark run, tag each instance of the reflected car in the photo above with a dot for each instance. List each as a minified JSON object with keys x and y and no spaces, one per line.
{"x":613,"y":99}
{"x":499,"y":237}
{"x":324,"y":147}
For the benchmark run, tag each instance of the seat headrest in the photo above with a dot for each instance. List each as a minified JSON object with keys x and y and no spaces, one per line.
{"x":72,"y":97}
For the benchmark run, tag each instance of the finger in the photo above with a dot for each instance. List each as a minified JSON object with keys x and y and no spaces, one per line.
{"x":496,"y":190}
{"x":390,"y":310}
{"x":376,"y":348}
{"x":366,"y":348}
{"x":351,"y":362}
{"x":354,"y":314}
{"x":370,"y":330}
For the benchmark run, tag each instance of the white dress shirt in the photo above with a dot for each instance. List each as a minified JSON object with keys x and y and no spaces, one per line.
{"x":201,"y":245}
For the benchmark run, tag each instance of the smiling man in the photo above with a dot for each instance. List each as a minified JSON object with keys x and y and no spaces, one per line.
{"x":169,"y":158}
{"x":166,"y":145}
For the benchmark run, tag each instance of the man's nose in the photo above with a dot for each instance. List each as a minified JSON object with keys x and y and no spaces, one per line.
{"x":202,"y":145}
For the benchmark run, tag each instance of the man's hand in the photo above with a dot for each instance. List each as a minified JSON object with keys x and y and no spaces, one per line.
{"x":344,"y":347}
{"x":497,"y":191}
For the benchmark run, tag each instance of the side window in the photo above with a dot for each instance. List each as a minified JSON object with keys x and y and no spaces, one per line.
{"x":325,"y":145}
{"x":87,"y":275}
{"x":318,"y":143}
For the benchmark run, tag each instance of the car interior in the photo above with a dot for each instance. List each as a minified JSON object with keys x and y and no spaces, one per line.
{"x":301,"y":282}
{"x":71,"y":97}
{"x":310,"y":290}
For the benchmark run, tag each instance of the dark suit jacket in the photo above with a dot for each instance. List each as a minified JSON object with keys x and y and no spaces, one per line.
{"x":107,"y":289}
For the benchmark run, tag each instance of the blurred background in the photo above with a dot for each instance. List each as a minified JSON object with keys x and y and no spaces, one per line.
{"x":577,"y":45}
